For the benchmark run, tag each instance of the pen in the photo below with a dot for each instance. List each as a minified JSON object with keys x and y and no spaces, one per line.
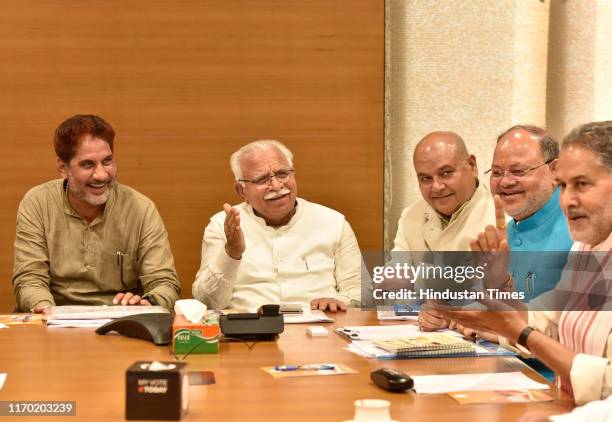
{"x":314,"y":367}
{"x":120,"y":266}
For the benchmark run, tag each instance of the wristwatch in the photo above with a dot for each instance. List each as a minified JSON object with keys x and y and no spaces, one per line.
{"x":522,"y":340}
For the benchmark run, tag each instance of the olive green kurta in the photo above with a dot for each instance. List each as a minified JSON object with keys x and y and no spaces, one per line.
{"x":62,"y":260}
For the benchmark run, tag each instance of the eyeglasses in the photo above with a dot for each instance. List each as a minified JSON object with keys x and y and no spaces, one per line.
{"x":267,"y":178}
{"x":514,"y":173}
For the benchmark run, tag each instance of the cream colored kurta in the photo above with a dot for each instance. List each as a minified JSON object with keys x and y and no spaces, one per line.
{"x":421,"y":228}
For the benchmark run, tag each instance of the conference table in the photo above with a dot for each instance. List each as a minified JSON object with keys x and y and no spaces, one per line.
{"x":44,"y":364}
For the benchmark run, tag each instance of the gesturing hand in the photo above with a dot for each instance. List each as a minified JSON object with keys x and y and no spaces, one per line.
{"x":234,"y":246}
{"x":492,"y":249}
{"x":493,"y":239}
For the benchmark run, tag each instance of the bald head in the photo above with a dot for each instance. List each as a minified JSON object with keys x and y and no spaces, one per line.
{"x":436,"y":144}
{"x":447,"y":174}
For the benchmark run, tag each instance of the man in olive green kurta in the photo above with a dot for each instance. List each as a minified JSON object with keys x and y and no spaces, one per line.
{"x":61,"y":260}
{"x":86,"y":239}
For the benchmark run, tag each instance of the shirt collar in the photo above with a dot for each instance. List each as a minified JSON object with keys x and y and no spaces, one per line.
{"x":299,"y":208}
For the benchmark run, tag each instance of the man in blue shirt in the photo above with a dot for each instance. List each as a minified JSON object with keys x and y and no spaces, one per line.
{"x":538,"y":237}
{"x":521,"y":175}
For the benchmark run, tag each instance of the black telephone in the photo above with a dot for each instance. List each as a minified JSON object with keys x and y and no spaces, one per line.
{"x":266,"y":324}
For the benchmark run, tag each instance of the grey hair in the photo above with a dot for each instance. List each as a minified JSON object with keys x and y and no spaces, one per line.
{"x":548,"y":146}
{"x":595,"y":136}
{"x":261,"y":145}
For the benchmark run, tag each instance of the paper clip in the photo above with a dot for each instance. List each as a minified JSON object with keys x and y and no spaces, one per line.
{"x":350,"y":333}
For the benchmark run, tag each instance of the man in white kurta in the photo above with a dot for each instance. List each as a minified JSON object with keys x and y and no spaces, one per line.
{"x":275,"y":247}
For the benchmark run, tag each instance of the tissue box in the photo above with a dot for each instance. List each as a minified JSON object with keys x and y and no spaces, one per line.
{"x":201,"y":337}
{"x":156,"y":394}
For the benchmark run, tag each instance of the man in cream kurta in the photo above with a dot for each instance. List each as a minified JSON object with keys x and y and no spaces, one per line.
{"x":455,"y":206}
{"x":422,"y":228}
{"x":275,"y":247}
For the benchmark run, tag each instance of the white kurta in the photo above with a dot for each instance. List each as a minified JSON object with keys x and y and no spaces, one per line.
{"x":314,"y":256}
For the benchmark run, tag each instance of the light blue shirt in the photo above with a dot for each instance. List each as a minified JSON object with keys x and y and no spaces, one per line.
{"x":539,"y":246}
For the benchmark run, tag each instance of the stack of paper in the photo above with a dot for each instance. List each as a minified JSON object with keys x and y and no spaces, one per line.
{"x":95,"y":316}
{"x":368,"y":349}
{"x":364,"y":338}
{"x":436,"y":384}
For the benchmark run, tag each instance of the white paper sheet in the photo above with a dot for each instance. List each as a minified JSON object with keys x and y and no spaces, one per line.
{"x":77,"y":323}
{"x":438,"y":384}
{"x":307,"y":317}
{"x":367,"y":349}
{"x":101,"y":312}
{"x":385,"y":332}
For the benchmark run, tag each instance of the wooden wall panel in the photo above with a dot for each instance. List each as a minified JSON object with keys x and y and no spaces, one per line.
{"x":186,"y":83}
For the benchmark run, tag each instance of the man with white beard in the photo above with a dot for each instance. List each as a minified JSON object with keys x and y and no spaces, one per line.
{"x":275,"y":247}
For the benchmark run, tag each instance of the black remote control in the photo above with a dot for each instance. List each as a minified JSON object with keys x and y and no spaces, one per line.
{"x":391,"y":380}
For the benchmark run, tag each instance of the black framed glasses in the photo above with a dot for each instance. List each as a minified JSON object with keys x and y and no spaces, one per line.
{"x":266,"y":179}
{"x":515,"y":173}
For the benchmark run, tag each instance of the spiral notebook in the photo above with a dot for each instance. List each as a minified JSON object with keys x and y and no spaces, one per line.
{"x":431,"y":345}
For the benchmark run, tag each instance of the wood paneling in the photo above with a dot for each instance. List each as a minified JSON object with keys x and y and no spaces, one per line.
{"x":185,"y":84}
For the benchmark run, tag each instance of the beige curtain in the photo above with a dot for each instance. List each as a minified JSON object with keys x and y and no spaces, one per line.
{"x":478,"y":67}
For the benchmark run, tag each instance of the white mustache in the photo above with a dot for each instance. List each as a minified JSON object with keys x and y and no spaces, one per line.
{"x":277,"y":194}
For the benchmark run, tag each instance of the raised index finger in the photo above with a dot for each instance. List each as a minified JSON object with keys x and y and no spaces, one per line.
{"x":500,"y":218}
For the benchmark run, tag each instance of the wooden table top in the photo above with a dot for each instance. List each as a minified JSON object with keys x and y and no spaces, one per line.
{"x":77,"y":364}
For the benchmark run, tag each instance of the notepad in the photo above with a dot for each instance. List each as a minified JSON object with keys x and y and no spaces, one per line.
{"x":431,"y":345}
